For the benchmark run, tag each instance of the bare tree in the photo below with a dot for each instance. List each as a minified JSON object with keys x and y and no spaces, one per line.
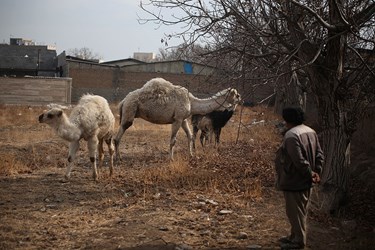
{"x":183,"y":51}
{"x":84,"y":53}
{"x":265,"y":40}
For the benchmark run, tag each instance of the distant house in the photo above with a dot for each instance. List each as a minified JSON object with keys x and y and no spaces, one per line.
{"x":144,"y":56}
{"x":173,"y":67}
{"x":22,"y":57}
{"x":115,"y":79}
{"x":124,"y":62}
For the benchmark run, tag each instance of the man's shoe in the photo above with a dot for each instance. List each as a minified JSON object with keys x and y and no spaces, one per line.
{"x":293,"y":245}
{"x":285,"y":239}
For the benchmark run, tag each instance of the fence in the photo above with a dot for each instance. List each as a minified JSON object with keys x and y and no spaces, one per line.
{"x":35,"y":90}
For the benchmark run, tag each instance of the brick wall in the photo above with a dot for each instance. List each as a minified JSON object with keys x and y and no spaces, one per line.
{"x":114,"y":83}
{"x":92,"y":78}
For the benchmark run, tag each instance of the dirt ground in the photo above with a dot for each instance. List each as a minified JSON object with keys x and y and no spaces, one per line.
{"x":220,"y":199}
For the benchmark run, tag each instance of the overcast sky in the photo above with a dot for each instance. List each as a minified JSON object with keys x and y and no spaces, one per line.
{"x":107,"y":27}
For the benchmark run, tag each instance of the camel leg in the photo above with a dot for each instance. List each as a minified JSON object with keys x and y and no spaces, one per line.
{"x":100,"y":154}
{"x":120,"y":133}
{"x":203,"y":137}
{"x":111,"y":150}
{"x":210,"y":135}
{"x":195,"y":132}
{"x":73,"y":148}
{"x":185,"y":127}
{"x":92,"y":145}
{"x":217,"y":136}
{"x":175,"y":127}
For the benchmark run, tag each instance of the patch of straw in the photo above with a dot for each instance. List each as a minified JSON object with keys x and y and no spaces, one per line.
{"x":9,"y":165}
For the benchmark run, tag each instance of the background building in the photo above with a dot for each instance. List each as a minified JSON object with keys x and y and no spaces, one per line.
{"x":144,"y":56}
{"x":112,"y":80}
{"x":22,"y":57}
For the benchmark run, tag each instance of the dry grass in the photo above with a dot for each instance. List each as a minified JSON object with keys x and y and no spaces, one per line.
{"x":245,"y":149}
{"x":147,"y":194}
{"x":14,"y":115}
{"x":241,"y":170}
{"x":9,"y":164}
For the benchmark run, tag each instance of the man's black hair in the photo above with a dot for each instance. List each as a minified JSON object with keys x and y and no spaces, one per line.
{"x":294,"y":115}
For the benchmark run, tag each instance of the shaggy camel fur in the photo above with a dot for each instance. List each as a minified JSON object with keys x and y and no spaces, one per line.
{"x":161,"y":102}
{"x":92,"y":120}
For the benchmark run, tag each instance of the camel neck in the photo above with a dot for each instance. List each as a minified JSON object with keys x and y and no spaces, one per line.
{"x":67,"y":130}
{"x":207,"y":105}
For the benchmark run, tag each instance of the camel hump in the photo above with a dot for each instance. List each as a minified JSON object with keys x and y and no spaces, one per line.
{"x":90,"y":100}
{"x":93,"y":111}
{"x":158,"y":83}
{"x":161,"y":91}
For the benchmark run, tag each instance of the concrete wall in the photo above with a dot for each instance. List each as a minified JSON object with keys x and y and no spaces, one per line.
{"x":35,"y":90}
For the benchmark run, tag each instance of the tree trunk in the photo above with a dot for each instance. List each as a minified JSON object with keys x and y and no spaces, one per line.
{"x":328,"y":84}
{"x":336,"y":148}
{"x":336,"y":175}
{"x":335,"y":141}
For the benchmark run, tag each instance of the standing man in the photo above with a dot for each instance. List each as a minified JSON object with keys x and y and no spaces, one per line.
{"x":298,"y":163}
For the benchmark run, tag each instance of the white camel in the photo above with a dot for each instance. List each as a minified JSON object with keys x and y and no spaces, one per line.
{"x":161,"y":102}
{"x":92,"y":120}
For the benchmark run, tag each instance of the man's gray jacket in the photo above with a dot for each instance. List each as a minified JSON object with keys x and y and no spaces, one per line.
{"x":299,"y":155}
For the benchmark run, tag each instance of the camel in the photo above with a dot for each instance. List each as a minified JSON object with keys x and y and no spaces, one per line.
{"x":92,"y":120}
{"x":211,"y":123}
{"x":161,"y":102}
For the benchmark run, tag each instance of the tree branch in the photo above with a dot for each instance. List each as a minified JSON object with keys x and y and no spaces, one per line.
{"x":319,"y":18}
{"x":365,"y":15}
{"x":361,"y":58}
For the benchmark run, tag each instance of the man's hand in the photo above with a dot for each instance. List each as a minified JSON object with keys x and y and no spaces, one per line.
{"x":315,"y":177}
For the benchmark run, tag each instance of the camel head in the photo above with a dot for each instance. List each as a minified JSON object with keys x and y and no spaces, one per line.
{"x":233,"y":97}
{"x":51,"y":117}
